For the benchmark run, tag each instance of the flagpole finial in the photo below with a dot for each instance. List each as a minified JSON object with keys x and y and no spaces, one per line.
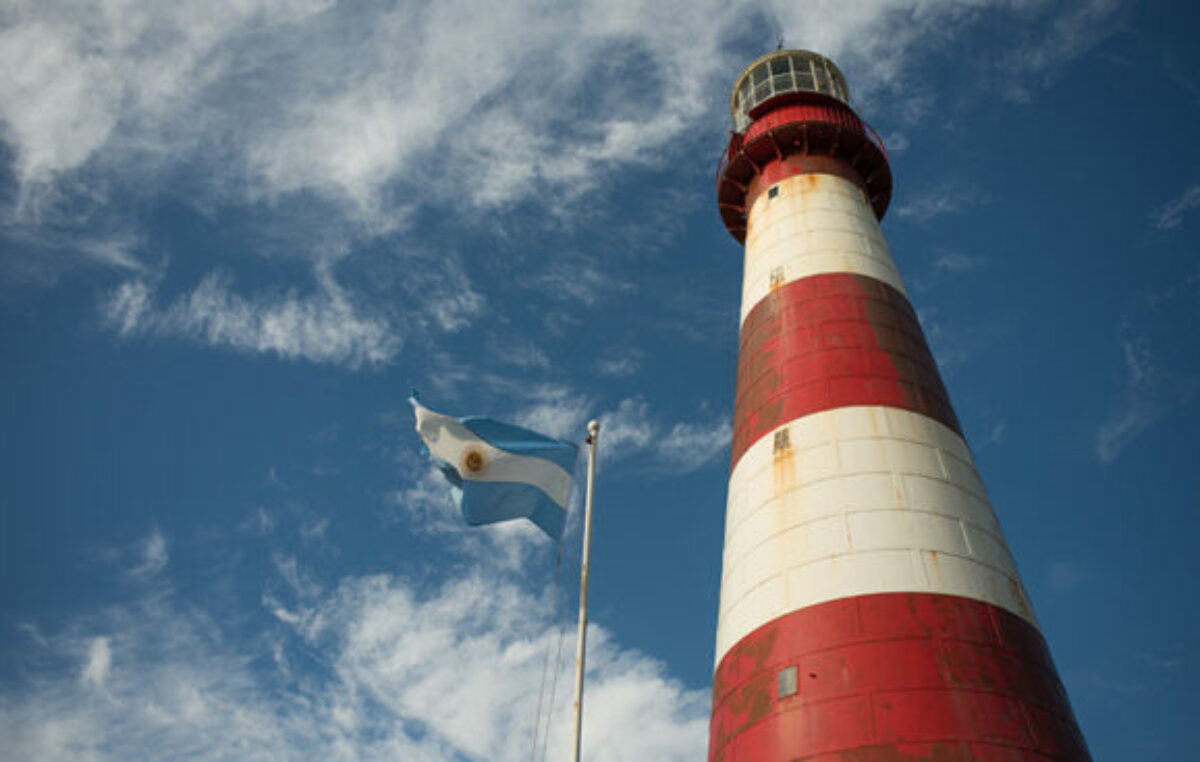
{"x":593,"y":427}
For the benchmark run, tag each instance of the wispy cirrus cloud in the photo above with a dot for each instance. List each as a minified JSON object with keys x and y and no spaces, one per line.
{"x":944,"y":267}
{"x":97,"y":663}
{"x":631,"y":432}
{"x":153,"y":555}
{"x":324,"y":327}
{"x":374,"y":116}
{"x":577,"y":279}
{"x":1150,"y":392}
{"x":939,"y":201}
{"x":1063,"y":37}
{"x":619,"y":362}
{"x":268,"y":90}
{"x":953,"y":262}
{"x":1170,"y":216}
{"x":283,"y":97}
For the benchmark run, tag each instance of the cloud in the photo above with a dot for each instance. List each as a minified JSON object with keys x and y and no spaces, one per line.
{"x":441,"y":293}
{"x":377,"y":110}
{"x":1061,"y":38}
{"x":944,"y":267}
{"x":948,"y":198}
{"x":896,"y":142}
{"x":153,"y":554}
{"x":261,"y":522}
{"x":287,"y":98}
{"x":1150,"y":393}
{"x":690,"y":446}
{"x":577,"y":279}
{"x":1163,"y":662}
{"x":555,"y":410}
{"x":324,"y":327}
{"x":1141,"y":410}
{"x":97,"y":664}
{"x":1170,"y":216}
{"x":375,"y":668}
{"x":619,"y":363}
{"x":879,"y":42}
{"x":517,"y":351}
{"x":631,"y":432}
{"x":627,"y":430}
{"x":952,"y":262}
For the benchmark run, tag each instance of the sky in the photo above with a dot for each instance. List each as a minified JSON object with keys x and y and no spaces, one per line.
{"x":234,"y":234}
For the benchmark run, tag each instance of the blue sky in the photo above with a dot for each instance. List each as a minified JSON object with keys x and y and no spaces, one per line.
{"x":233,"y":235}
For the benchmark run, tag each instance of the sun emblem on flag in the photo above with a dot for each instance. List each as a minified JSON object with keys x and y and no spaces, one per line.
{"x":473,"y":461}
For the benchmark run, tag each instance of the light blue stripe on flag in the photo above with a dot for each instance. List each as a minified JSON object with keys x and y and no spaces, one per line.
{"x":501,"y":471}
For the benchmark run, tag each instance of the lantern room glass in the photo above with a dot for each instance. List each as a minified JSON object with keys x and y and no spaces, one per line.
{"x":784,"y":71}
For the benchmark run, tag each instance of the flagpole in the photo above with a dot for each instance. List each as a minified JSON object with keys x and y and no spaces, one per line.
{"x":581,"y":643}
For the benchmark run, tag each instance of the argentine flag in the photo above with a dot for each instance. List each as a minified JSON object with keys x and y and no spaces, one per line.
{"x":500,"y":471}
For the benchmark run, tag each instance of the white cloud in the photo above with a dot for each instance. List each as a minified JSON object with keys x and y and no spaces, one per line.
{"x":261,"y":522}
{"x":379,"y":107}
{"x":442,"y":674}
{"x":1150,"y":393}
{"x":322,"y":327}
{"x":1170,"y":216}
{"x":687,"y":447}
{"x":288,"y":98}
{"x":872,"y":40}
{"x":896,"y":142}
{"x":955,"y":262}
{"x":631,"y":431}
{"x":577,"y":279}
{"x":441,"y":293}
{"x":301,"y":585}
{"x":1061,"y":38}
{"x":126,"y":306}
{"x":97,"y":664}
{"x":627,"y":430}
{"x":1140,"y":410}
{"x":555,"y":410}
{"x":153,"y":555}
{"x":619,"y":363}
{"x":948,"y":198}
{"x":517,"y":351}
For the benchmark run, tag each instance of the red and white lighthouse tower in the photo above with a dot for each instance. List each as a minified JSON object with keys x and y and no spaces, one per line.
{"x":870,"y":608}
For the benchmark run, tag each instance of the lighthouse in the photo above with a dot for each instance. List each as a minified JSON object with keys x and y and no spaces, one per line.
{"x":870,"y":608}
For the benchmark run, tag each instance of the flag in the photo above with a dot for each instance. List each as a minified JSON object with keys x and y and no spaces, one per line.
{"x":500,"y":471}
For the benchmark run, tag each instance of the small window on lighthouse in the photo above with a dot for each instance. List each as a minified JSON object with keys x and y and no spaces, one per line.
{"x":773,"y":192}
{"x":782,"y":440}
{"x":787,"y":682}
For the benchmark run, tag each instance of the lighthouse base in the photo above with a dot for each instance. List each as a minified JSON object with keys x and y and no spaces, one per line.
{"x":891,"y":677}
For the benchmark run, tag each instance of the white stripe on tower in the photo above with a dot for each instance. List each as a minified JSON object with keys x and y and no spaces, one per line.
{"x":856,"y":501}
{"x":814,"y":224}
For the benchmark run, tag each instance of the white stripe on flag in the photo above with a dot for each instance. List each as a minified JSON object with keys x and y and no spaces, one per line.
{"x":475,"y":459}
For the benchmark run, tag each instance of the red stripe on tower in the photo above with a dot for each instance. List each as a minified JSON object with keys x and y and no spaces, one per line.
{"x":870,"y":608}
